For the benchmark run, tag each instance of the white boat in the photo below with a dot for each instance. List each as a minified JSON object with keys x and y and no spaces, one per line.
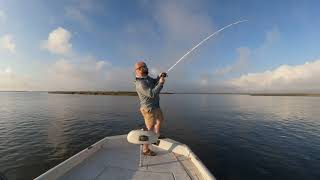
{"x":114,"y":158}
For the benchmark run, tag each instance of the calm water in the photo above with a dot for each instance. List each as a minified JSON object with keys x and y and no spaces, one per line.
{"x":237,"y":137}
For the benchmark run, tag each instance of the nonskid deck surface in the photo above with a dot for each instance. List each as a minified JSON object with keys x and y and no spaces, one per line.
{"x":120,"y":160}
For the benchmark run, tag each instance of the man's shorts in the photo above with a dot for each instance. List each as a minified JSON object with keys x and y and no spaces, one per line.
{"x":150,"y":117}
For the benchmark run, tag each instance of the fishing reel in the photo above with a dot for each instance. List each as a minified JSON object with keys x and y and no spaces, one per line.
{"x":163,"y":74}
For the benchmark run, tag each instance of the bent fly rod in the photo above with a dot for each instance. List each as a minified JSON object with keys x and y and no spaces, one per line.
{"x":204,"y":40}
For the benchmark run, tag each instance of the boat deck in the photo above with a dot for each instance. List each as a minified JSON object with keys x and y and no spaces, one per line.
{"x":115,"y":159}
{"x":103,"y":164}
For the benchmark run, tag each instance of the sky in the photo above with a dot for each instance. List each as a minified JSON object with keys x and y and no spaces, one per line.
{"x":93,"y":44}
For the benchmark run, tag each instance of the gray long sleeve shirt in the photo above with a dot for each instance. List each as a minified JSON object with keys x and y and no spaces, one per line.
{"x":148,"y":90}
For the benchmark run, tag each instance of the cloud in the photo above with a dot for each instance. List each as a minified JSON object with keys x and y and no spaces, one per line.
{"x":88,"y":74}
{"x":8,"y":70}
{"x":272,"y":35}
{"x":66,"y":74}
{"x":6,"y":43}
{"x":181,"y":22}
{"x":172,"y":28}
{"x":81,"y":11}
{"x":76,"y":73}
{"x":58,"y":41}
{"x":78,"y":15}
{"x":245,"y":53}
{"x":100,"y":64}
{"x":3,"y":17}
{"x":285,"y":78}
{"x":11,"y":81}
{"x":240,"y":64}
{"x":91,"y":74}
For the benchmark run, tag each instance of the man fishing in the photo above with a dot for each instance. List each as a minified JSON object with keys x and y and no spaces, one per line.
{"x":148,"y":90}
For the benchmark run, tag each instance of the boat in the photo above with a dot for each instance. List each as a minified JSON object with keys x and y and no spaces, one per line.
{"x":115,"y":158}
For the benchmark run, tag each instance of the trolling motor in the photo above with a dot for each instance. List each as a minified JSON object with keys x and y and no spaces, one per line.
{"x":142,"y":137}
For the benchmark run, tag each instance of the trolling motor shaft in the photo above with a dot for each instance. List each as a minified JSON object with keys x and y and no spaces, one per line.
{"x":142,"y":137}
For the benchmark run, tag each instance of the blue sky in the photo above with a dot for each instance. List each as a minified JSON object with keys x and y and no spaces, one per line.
{"x":92,"y":45}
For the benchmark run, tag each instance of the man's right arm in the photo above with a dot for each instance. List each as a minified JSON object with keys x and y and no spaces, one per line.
{"x":143,"y":88}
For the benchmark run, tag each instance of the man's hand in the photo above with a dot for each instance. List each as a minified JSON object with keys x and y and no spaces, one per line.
{"x":162,"y":80}
{"x":163,"y":74}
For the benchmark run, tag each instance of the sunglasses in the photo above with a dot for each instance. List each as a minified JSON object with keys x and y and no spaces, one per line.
{"x":142,"y":67}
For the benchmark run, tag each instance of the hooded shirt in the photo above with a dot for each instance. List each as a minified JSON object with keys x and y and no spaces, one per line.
{"x":148,"y":90}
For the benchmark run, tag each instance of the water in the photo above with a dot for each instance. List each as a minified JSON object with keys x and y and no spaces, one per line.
{"x":237,"y":137}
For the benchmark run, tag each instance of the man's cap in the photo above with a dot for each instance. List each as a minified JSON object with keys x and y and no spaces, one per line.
{"x":139,"y":64}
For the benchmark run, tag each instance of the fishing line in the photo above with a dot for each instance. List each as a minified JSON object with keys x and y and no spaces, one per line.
{"x":204,"y":40}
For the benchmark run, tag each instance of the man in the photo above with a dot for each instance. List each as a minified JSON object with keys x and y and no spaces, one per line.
{"x":148,"y":90}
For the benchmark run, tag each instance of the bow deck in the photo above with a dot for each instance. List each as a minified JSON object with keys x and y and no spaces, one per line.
{"x":114,"y":158}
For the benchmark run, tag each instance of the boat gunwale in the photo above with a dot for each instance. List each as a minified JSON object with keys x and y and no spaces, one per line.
{"x":63,"y":167}
{"x":183,"y":149}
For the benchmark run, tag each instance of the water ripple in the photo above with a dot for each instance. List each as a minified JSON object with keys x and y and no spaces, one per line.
{"x":275,"y":137}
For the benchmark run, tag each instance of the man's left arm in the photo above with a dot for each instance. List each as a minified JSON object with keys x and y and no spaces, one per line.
{"x":156,"y":80}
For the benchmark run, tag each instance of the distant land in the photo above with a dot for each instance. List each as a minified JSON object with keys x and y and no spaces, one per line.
{"x":112,"y":93}
{"x":133,"y":93}
{"x":262,"y":94}
{"x":285,"y":94}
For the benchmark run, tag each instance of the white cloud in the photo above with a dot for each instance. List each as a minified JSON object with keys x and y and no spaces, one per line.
{"x":80,"y":11}
{"x":182,"y":22}
{"x":11,"y":81}
{"x":88,"y":74}
{"x":67,"y":75}
{"x":58,"y":41}
{"x":285,"y":78}
{"x":6,"y":43}
{"x":91,"y":74}
{"x":238,"y":65}
{"x":63,"y":66}
{"x":245,"y":53}
{"x":176,"y":28}
{"x":70,"y":74}
{"x":8,"y":70}
{"x":102,"y":64}
{"x":76,"y":14}
{"x":2,"y":17}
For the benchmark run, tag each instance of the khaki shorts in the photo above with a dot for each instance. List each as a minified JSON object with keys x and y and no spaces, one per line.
{"x":151,"y":117}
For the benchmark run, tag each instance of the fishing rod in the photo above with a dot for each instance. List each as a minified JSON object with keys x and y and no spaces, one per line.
{"x":196,"y":46}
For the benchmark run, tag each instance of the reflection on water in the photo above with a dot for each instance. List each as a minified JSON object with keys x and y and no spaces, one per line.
{"x":237,"y":137}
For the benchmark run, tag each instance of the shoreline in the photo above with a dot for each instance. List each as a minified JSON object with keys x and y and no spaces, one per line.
{"x":133,"y":93}
{"x":110,"y":93}
{"x":286,"y":94}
